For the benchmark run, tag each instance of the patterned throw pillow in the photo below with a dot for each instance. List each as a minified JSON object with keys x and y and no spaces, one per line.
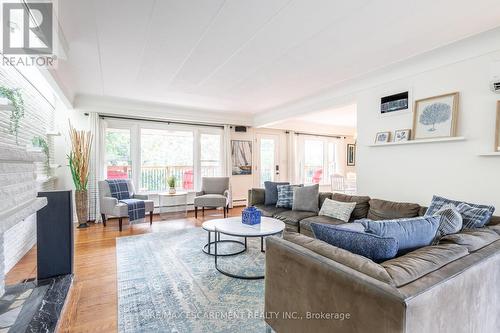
{"x":337,"y":210}
{"x":473,"y":217}
{"x":450,"y":222}
{"x":285,"y":196}
{"x":476,"y":219}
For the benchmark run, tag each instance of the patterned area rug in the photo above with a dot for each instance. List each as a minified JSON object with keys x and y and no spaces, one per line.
{"x":167,"y":284}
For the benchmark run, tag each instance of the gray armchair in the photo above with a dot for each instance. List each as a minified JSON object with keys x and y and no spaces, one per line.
{"x":214,"y":194}
{"x":111,"y":207}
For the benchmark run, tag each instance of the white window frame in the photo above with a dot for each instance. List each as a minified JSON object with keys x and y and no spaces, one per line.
{"x":325,"y":180}
{"x":135,"y":127}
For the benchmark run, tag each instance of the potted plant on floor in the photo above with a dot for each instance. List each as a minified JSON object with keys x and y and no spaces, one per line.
{"x":171,"y":184}
{"x":78,"y":158}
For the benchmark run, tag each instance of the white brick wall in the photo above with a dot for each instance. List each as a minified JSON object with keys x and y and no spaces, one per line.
{"x":16,"y":180}
{"x":18,"y":240}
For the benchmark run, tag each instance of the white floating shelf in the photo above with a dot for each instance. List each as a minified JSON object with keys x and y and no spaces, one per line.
{"x":493,"y":153}
{"x":414,"y":142}
{"x":53,"y":133}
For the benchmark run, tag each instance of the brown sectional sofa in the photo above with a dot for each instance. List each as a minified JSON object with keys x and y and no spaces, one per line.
{"x":312,"y":286}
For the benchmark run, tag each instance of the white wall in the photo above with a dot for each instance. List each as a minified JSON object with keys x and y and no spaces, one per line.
{"x":416,"y":172}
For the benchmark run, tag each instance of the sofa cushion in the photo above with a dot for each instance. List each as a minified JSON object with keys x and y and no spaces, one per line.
{"x":306,"y":198}
{"x":354,"y":261}
{"x":411,"y":233}
{"x":285,"y":196}
{"x":337,"y":210}
{"x":450,"y":222}
{"x":470,"y":220}
{"x":293,"y":217}
{"x":414,"y":265}
{"x":365,"y":244}
{"x":362,"y":204}
{"x":271,"y":192}
{"x":472,"y":239}
{"x":269,"y":210}
{"x":386,"y":210}
{"x":306,"y":223}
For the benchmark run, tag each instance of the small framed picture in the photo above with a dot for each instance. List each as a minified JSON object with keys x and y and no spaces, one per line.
{"x":394,"y":103}
{"x":402,"y":135}
{"x":435,"y":117}
{"x":382,"y":137}
{"x":497,"y":129}
{"x":351,"y":154}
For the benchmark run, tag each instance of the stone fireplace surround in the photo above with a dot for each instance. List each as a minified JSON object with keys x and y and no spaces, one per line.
{"x":18,"y":205}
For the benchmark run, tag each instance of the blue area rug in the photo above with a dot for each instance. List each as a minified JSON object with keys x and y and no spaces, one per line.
{"x":167,"y":284}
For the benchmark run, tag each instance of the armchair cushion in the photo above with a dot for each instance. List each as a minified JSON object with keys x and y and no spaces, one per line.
{"x":211,"y":200}
{"x":214,"y":185}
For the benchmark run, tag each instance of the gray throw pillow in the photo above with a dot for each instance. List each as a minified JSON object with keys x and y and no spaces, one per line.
{"x":371,"y":246}
{"x":306,"y":198}
{"x":450,"y":221}
{"x":271,"y":192}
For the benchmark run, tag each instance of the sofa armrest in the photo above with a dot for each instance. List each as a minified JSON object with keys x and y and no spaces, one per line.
{"x":141,"y":196}
{"x":324,"y":295}
{"x":107,"y":204}
{"x":199,"y":193}
{"x":256,"y":196}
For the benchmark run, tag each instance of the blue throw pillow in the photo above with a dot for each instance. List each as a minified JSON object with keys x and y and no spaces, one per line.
{"x":271,"y":192}
{"x":471,"y":220}
{"x":367,"y":245}
{"x":285,"y":196}
{"x":473,"y":217}
{"x":411,"y":233}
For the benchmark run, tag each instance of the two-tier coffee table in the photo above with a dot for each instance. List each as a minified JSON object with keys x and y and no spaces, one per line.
{"x":234,"y":227}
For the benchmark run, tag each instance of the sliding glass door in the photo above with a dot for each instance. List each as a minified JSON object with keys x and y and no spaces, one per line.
{"x":149,"y":153}
{"x":317,"y":159}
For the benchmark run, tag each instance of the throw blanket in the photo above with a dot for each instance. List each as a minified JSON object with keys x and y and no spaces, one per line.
{"x":119,"y":190}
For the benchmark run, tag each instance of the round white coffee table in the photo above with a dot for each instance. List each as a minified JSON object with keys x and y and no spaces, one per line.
{"x":234,"y":227}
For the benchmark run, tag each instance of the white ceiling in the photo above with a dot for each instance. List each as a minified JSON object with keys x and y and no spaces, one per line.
{"x":249,"y":56}
{"x":341,"y":120}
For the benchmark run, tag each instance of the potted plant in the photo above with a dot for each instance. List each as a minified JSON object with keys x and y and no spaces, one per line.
{"x":78,"y":158}
{"x":16,"y":106}
{"x":41,"y":143}
{"x":171,"y":184}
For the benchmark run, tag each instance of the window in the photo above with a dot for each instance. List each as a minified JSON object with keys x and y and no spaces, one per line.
{"x":166,"y":153}
{"x":318,"y":160}
{"x":210,"y":154}
{"x":117,"y":150}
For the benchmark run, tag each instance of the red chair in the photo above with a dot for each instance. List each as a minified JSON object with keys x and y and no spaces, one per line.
{"x":317,"y":175}
{"x":187,"y":180}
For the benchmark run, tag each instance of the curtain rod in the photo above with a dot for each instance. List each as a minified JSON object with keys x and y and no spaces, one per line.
{"x":321,"y":135}
{"x":103,"y":116}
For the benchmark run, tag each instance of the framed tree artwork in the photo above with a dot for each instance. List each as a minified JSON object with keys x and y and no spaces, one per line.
{"x":435,"y":117}
{"x":351,"y":154}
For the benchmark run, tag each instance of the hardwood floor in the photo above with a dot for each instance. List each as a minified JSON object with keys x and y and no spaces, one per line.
{"x":92,"y":303}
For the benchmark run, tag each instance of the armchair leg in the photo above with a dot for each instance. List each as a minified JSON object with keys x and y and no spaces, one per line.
{"x":203,"y":211}
{"x":103,"y":219}
{"x":120,"y":223}
{"x":225,"y":212}
{"x":150,"y":218}
{"x":195,"y":212}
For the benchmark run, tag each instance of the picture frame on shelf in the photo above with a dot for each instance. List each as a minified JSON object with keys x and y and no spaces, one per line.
{"x":351,"y":154}
{"x":497,"y":129}
{"x":402,"y":135}
{"x":383,"y":137}
{"x":435,"y":117}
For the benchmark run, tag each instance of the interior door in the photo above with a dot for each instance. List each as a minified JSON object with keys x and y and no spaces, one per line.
{"x":268,"y":166}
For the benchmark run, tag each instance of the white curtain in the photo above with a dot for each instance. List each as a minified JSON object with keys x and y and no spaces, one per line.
{"x":292,"y":158}
{"x":226,"y":159}
{"x":94,"y":172}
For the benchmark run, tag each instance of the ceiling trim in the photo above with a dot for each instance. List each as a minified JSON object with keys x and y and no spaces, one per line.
{"x":123,"y":106}
{"x":344,"y":92}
